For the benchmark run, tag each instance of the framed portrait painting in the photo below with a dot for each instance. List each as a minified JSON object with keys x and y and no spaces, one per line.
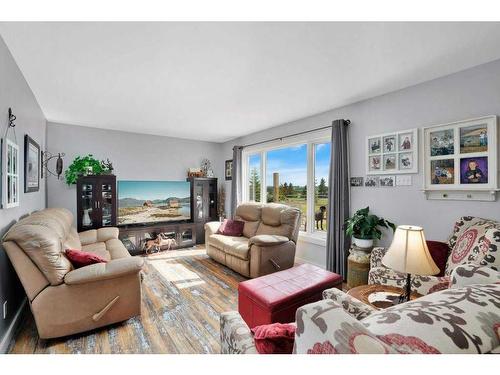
{"x":31,"y":165}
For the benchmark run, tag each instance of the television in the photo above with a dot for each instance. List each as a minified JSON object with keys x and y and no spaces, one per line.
{"x":146,"y":202}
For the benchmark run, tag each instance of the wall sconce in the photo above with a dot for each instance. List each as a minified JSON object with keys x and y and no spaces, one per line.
{"x":46,"y":157}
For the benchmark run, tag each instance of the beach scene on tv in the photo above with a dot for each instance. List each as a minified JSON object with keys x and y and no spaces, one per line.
{"x":153,"y":201}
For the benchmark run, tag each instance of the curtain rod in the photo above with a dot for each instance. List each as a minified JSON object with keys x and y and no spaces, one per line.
{"x":347,"y":122}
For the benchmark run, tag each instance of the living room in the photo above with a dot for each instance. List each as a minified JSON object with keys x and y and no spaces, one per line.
{"x":250,"y":188}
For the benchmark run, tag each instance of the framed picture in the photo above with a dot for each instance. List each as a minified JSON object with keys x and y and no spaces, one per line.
{"x":387,"y":181}
{"x":31,"y":165}
{"x":390,"y":162}
{"x":372,"y":181}
{"x":356,"y":181}
{"x":10,"y":173}
{"x":461,"y":160}
{"x":374,"y":145}
{"x":374,"y":163}
{"x":443,"y":172}
{"x":442,"y":142}
{"x":228,"y":170}
{"x":474,"y":139}
{"x":394,"y":153}
{"x":406,"y":160}
{"x":405,"y":142}
{"x":390,"y":143}
{"x":474,"y":170}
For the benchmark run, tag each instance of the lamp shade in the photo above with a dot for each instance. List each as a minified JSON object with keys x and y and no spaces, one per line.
{"x":408,"y":252}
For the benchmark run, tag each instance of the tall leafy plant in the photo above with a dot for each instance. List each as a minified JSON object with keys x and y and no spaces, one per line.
{"x":366,"y":226}
{"x":81,"y":166}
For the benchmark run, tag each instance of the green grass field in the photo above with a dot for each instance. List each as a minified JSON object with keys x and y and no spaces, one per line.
{"x":301,"y":204}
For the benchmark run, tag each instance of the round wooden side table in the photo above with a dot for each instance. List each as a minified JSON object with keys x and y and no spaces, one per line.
{"x":379,"y":296}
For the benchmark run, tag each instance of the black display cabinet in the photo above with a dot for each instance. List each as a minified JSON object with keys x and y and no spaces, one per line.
{"x":96,"y":202}
{"x":203,"y":204}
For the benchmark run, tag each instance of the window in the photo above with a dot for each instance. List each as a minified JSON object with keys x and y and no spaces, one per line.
{"x":254,"y":178}
{"x":293,"y":172}
{"x":286,"y":178}
{"x":12,"y":174}
{"x":321,"y":170}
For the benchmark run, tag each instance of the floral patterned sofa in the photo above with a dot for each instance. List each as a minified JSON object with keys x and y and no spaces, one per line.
{"x":474,"y":240}
{"x":465,"y":318}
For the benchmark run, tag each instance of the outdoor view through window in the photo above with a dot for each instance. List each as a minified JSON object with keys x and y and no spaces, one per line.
{"x":286,"y":180}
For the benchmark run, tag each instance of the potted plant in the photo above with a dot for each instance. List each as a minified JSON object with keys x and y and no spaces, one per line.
{"x":364,"y":227}
{"x":82,"y":166}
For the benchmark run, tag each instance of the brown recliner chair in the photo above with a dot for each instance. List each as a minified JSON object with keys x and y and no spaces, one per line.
{"x":64,"y":300}
{"x":268,"y":242}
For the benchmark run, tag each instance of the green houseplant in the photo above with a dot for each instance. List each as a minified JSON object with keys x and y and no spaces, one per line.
{"x":81,"y":166}
{"x":365,"y":227}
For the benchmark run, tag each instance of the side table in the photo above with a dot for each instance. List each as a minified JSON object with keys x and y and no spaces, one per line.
{"x":358,"y":266}
{"x":379,"y":296}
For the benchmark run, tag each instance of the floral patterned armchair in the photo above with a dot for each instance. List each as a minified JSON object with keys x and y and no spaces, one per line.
{"x":462,"y":319}
{"x":474,"y":241}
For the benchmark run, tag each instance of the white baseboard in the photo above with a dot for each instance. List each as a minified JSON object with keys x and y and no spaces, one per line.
{"x":9,"y":334}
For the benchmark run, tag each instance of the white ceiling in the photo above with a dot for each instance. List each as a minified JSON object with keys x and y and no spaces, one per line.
{"x":218,"y":81}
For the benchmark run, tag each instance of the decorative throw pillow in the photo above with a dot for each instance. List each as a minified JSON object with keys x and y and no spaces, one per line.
{"x":276,"y":338}
{"x":439,"y":252}
{"x":471,"y":244}
{"x":492,"y":256}
{"x":80,"y":258}
{"x":231,"y":228}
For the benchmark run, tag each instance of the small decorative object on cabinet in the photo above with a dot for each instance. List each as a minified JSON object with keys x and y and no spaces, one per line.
{"x":206,"y":167}
{"x":358,"y":266}
{"x":392,"y":153}
{"x":96,"y":202}
{"x":82,"y":166}
{"x":461,"y":160}
{"x":203,"y":204}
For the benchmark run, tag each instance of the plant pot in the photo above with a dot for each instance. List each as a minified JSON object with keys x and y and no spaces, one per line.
{"x":362,"y":243}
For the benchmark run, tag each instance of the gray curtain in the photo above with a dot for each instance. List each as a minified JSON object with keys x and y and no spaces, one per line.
{"x":337,"y":245}
{"x":236,"y":180}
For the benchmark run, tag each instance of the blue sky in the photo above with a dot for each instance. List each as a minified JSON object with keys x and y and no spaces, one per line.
{"x":291,"y":163}
{"x":153,"y":189}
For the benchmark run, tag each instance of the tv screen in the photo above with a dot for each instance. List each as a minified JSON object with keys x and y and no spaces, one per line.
{"x":141,"y":202}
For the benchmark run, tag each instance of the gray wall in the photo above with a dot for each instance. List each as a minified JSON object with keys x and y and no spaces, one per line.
{"x":134,"y":156}
{"x":471,"y":93}
{"x":15,"y":93}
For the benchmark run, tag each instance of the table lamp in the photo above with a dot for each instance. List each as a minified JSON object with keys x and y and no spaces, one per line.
{"x":409,"y":254}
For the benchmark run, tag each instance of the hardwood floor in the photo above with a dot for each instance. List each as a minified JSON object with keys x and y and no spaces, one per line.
{"x":184,"y":291}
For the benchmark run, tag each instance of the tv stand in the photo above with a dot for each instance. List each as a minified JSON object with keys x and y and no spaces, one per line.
{"x":135,"y":238}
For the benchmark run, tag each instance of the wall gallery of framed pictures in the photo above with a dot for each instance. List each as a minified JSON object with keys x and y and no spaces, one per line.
{"x":460,"y":160}
{"x":392,"y":153}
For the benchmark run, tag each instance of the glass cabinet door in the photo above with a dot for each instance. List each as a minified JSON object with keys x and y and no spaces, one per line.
{"x":87,"y":213}
{"x":107,"y":204}
{"x":199,"y":190}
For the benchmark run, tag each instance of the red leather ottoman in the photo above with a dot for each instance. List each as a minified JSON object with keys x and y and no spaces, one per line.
{"x":275,"y":298}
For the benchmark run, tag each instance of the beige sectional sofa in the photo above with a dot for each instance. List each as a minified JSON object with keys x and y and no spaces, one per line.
{"x":65,"y":300}
{"x":268,"y":242}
